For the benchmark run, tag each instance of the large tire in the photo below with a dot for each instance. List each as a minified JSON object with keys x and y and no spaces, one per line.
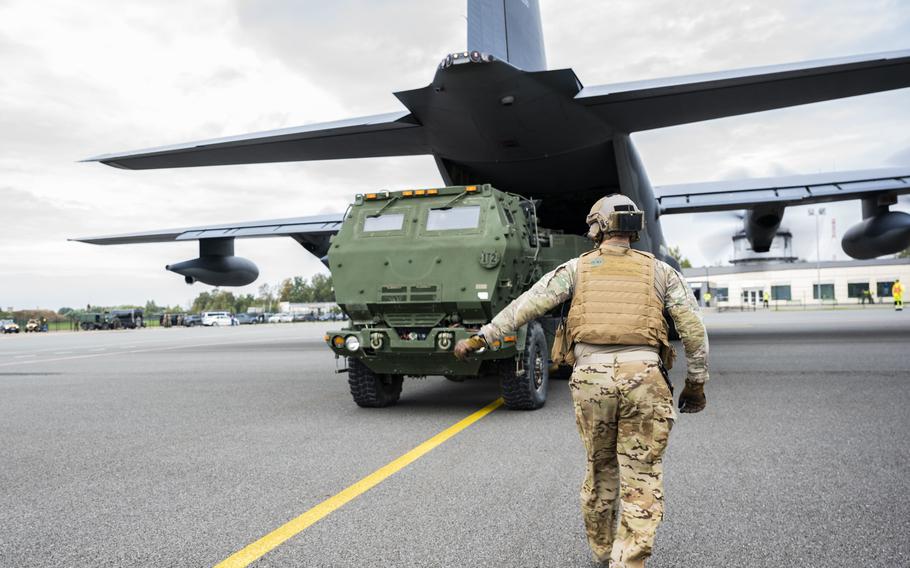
{"x":371,"y":390}
{"x":527,"y":390}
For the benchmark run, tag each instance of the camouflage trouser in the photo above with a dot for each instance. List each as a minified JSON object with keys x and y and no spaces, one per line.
{"x":624,"y":413}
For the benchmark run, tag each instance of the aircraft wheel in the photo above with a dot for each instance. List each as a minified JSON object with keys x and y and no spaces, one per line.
{"x":527,"y":390}
{"x":372,"y":390}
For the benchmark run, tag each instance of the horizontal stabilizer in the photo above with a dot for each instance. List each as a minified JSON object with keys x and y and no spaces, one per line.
{"x":391,"y":134}
{"x":782,"y":191}
{"x":643,"y":105}
{"x":301,"y":228}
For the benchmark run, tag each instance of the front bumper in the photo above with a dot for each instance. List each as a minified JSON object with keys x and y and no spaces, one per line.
{"x":383,"y":350}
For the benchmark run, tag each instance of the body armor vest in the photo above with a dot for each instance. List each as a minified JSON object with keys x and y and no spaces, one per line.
{"x":615,"y":301}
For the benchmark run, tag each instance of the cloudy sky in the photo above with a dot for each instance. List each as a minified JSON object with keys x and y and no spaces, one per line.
{"x":80,"y":79}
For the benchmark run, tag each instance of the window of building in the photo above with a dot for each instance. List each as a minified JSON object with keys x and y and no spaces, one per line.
{"x":827,"y":291}
{"x":781,"y":292}
{"x":720,"y":294}
{"x":856,"y":289}
{"x":884,"y":289}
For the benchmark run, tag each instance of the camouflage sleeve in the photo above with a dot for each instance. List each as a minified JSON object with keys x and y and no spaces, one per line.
{"x":683,"y":308}
{"x":553,"y":289}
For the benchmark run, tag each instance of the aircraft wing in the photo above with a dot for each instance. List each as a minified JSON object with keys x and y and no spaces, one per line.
{"x":391,"y":134}
{"x":302,"y":229}
{"x":643,"y":105}
{"x":782,"y":191}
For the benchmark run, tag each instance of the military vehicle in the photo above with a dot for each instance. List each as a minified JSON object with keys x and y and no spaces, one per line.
{"x":401,"y":275}
{"x":114,"y":319}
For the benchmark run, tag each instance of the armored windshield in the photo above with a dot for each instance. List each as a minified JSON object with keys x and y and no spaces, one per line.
{"x":387,"y":222}
{"x":467,"y":217}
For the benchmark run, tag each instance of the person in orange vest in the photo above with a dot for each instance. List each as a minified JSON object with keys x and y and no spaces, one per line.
{"x":897,"y":291}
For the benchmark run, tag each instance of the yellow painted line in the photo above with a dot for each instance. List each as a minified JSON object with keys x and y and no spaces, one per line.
{"x":249,"y":554}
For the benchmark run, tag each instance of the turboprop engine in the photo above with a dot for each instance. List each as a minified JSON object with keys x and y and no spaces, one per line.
{"x":217,"y":265}
{"x":761,"y":226}
{"x":885,"y":232}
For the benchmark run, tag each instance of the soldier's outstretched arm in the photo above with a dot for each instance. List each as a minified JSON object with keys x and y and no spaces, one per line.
{"x":683,"y":308}
{"x":551,"y":290}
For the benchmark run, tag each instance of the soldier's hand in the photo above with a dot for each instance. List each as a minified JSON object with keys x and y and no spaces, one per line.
{"x":467,"y":346}
{"x":692,"y":399}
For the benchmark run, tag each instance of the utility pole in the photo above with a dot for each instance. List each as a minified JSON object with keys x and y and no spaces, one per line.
{"x":818,"y":255}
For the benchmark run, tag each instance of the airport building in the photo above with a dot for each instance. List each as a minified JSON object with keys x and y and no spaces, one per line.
{"x":314,"y":308}
{"x":794,"y":284}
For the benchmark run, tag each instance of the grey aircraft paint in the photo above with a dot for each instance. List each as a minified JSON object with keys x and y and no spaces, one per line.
{"x":494,"y":114}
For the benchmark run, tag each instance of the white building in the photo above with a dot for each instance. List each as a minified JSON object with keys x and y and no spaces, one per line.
{"x":797,"y":283}
{"x":315,"y":308}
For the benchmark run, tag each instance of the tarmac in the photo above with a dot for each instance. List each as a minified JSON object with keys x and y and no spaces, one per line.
{"x":179,"y":447}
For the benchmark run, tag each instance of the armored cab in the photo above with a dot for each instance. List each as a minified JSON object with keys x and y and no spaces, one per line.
{"x":418,"y":270}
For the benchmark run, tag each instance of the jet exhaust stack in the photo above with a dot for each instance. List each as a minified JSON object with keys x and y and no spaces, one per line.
{"x":217,"y":265}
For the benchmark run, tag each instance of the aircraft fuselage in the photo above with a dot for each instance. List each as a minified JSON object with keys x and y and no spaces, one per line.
{"x":524,"y":132}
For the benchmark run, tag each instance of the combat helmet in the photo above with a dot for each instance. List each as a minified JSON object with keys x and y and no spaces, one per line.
{"x":615,"y":213}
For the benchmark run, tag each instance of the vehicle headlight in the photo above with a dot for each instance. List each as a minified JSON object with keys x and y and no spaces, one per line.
{"x":352,"y":343}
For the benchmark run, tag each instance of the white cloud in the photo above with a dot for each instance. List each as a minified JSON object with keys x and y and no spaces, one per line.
{"x":83,"y":79}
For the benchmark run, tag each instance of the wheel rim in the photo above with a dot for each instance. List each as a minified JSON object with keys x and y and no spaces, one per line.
{"x":538,"y":370}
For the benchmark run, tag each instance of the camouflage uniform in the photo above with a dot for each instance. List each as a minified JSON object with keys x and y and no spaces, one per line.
{"x":624,"y":411}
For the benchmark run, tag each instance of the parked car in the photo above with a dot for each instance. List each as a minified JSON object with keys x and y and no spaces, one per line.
{"x":35,"y":325}
{"x":281,"y":318}
{"x":9,"y":326}
{"x":246,"y":319}
{"x":216,"y":318}
{"x":192,"y":320}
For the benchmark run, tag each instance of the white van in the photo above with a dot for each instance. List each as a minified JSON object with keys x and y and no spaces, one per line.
{"x":216,"y":318}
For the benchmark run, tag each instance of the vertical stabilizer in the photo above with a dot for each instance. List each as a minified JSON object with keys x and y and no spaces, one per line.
{"x":509,"y":30}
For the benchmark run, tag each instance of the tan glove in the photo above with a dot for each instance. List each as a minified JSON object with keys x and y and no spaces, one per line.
{"x":692,"y":399}
{"x":467,"y":346}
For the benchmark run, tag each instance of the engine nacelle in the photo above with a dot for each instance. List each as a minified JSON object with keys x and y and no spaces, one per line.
{"x":885,"y":233}
{"x":761,"y":226}
{"x":217,"y":265}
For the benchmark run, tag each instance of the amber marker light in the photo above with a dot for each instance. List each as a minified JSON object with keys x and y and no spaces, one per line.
{"x":432,"y":192}
{"x":407,"y":193}
{"x":420,"y":192}
{"x":509,"y":339}
{"x":371,"y":196}
{"x":326,"y":338}
{"x":471,"y":188}
{"x":338,"y":341}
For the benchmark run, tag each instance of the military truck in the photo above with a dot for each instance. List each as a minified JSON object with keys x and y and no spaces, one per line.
{"x":114,"y":319}
{"x":418,"y":270}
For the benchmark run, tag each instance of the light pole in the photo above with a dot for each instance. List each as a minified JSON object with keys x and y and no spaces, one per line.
{"x":818,"y":256}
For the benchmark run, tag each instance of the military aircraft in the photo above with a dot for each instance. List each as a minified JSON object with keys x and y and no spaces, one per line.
{"x":494,"y":113}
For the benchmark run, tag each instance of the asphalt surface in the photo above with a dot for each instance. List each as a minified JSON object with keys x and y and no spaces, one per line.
{"x":179,"y":447}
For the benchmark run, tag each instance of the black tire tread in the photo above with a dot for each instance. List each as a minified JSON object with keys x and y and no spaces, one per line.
{"x":370,"y":390}
{"x":514,"y":387}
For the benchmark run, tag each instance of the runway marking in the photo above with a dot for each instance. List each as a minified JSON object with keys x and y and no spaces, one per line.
{"x":21,"y":356}
{"x":252,"y":552}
